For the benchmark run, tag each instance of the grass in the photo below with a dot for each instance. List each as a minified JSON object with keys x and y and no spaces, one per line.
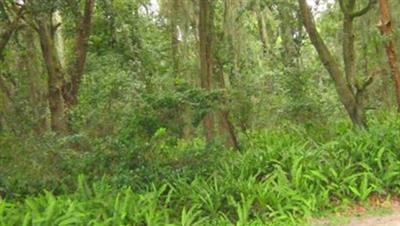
{"x":283,"y":177}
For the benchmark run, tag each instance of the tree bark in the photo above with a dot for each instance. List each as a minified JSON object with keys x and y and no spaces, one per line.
{"x":76,"y":69}
{"x":262,"y":27}
{"x":37,"y":93}
{"x":226,"y":127}
{"x":175,"y":37}
{"x":386,"y":28}
{"x":6,"y":93}
{"x":58,"y":37}
{"x":348,"y":46}
{"x":55,"y":77}
{"x":205,"y":36}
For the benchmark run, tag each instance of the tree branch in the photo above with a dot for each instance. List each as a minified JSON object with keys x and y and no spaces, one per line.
{"x":364,"y":10}
{"x":11,"y":28}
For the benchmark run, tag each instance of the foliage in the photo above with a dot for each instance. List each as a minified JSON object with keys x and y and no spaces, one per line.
{"x":283,"y":177}
{"x":136,"y":131}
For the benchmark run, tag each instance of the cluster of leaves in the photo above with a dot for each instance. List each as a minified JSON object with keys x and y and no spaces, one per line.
{"x":283,"y":177}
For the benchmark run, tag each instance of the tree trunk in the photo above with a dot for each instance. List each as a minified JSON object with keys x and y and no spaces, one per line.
{"x":359,"y":116}
{"x":349,"y":61}
{"x":55,"y":77}
{"x":348,"y":52}
{"x":58,"y":37}
{"x":37,"y":95}
{"x":175,"y":37}
{"x":351,"y":99}
{"x":6,"y":93}
{"x":386,"y":28}
{"x":262,"y":27}
{"x":205,"y":36}
{"x":76,"y":69}
{"x":226,"y":127}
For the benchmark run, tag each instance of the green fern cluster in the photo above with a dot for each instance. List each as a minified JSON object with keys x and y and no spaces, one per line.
{"x":282,"y":178}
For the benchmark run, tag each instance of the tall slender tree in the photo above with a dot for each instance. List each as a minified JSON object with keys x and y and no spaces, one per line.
{"x":262,"y":27}
{"x":387,"y":29}
{"x":206,"y":69}
{"x":76,"y":67}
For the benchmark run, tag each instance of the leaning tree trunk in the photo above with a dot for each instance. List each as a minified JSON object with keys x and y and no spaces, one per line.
{"x":329,"y":62}
{"x":226,"y":127}
{"x":386,"y":28}
{"x":350,"y":92}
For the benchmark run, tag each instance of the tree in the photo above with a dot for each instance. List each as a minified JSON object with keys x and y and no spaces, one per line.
{"x":37,"y":92}
{"x":386,"y":28}
{"x":206,"y":41}
{"x":212,"y":69}
{"x":174,"y":23}
{"x":77,"y":66}
{"x":351,"y":92}
{"x":63,"y":82}
{"x":262,"y":27}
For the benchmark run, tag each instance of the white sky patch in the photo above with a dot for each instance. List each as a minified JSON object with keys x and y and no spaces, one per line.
{"x":153,"y":8}
{"x":154,"y":5}
{"x":320,"y":6}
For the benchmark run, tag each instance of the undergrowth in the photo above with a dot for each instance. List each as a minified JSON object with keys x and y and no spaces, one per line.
{"x":282,"y":177}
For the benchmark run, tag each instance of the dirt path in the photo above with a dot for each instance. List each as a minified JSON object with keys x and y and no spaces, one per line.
{"x":387,"y":216}
{"x":389,"y":220}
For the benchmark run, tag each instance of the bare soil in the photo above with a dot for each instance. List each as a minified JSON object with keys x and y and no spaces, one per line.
{"x":390,"y":220}
{"x":387,"y":214}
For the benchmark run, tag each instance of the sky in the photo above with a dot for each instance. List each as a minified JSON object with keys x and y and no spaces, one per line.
{"x":320,"y":5}
{"x":317,"y":5}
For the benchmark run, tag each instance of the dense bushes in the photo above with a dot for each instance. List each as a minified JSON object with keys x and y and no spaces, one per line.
{"x":282,"y":178}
